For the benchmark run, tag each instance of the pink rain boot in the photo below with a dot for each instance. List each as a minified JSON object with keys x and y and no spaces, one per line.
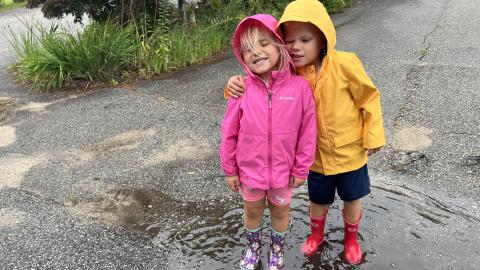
{"x":352,"y":250}
{"x":317,"y":226}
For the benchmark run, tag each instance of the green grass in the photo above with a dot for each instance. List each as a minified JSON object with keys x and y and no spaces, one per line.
{"x":51,"y":58}
{"x":9,"y":4}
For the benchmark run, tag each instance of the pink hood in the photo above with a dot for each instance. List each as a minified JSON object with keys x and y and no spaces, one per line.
{"x":269,"y":134}
{"x":270,"y":23}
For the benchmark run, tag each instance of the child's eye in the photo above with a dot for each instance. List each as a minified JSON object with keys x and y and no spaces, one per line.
{"x":306,"y":39}
{"x":288,"y":41}
{"x":264,"y":43}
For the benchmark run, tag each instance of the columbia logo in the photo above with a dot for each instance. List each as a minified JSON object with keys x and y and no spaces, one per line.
{"x":286,"y":98}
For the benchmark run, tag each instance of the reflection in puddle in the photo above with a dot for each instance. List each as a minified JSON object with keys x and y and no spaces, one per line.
{"x":401,"y":229}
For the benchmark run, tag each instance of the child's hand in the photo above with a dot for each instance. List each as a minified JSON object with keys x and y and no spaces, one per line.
{"x":372,"y":151}
{"x":235,"y":86}
{"x":295,"y":182}
{"x":233,"y":182}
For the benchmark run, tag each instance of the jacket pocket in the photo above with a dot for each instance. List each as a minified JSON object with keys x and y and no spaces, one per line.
{"x":347,"y":138}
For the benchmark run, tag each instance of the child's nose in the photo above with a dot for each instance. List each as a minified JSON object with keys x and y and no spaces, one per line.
{"x":294,"y":46}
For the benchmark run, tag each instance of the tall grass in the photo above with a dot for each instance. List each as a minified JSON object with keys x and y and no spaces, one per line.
{"x":184,"y":46}
{"x":50,"y":58}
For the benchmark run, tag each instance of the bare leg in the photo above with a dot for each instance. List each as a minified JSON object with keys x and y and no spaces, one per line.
{"x":280,"y":215}
{"x":253,"y":213}
{"x":317,"y":210}
{"x":353,"y":210}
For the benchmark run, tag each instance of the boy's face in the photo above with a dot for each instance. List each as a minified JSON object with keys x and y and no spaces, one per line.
{"x":263,"y":59}
{"x":304,"y":42}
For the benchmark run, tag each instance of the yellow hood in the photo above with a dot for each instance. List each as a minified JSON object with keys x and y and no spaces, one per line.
{"x":314,"y":12}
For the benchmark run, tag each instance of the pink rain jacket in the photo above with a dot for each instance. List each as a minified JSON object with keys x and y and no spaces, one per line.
{"x":268,"y":134}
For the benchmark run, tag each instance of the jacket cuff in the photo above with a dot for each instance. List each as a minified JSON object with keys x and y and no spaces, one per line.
{"x":372,"y":144}
{"x":229,"y":170}
{"x":299,"y":173}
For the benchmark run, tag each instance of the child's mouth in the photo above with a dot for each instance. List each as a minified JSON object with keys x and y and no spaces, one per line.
{"x":259,"y":61}
{"x":296,"y":57}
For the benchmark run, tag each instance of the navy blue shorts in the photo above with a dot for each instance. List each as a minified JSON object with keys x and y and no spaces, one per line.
{"x":349,"y":185}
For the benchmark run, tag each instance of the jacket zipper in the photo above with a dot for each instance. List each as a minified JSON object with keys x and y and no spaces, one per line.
{"x":270,"y":137}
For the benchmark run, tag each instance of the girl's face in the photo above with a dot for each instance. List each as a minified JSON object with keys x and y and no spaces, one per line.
{"x":305,"y":43}
{"x":264,"y":58}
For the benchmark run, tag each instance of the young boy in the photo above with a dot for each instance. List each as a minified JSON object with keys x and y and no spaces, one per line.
{"x":349,"y":120}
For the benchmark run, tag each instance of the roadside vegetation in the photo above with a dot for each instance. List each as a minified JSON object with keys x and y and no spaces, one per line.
{"x":125,"y":42}
{"x":10,"y":4}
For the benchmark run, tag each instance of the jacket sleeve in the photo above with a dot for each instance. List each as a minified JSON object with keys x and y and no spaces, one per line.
{"x":307,"y":136}
{"x":228,"y":145}
{"x":367,"y":98}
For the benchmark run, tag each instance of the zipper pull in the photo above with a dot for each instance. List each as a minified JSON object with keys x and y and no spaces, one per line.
{"x":269,"y":99}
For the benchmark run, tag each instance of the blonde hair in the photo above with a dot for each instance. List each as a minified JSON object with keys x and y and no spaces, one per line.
{"x":250,"y":36}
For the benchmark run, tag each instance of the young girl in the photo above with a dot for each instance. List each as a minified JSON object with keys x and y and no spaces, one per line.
{"x":349,"y":120}
{"x":268,"y":136}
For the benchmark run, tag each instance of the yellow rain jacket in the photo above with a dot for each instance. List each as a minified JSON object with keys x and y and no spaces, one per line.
{"x":349,"y":114}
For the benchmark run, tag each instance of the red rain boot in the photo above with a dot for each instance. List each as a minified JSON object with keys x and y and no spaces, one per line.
{"x":352,"y":251}
{"x":317,"y":226}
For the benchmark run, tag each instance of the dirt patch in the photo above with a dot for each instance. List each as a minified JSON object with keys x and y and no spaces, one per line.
{"x":182,"y":149}
{"x":11,"y":217}
{"x":40,"y":107}
{"x":14,"y":167}
{"x":124,"y":141}
{"x":35,"y":106}
{"x":7,"y":136}
{"x":412,"y":138}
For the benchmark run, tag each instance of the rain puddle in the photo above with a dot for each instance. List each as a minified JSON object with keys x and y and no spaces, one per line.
{"x":400,"y":229}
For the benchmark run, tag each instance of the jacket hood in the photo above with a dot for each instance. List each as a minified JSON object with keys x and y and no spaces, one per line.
{"x":270,"y":23}
{"x":314,"y":12}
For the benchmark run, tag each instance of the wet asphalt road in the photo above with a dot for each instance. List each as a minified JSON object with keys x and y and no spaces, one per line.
{"x":78,"y":169}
